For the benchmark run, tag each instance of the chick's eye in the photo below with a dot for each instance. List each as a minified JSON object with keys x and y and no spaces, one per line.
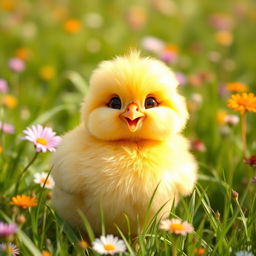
{"x":151,"y":102}
{"x":115,"y":103}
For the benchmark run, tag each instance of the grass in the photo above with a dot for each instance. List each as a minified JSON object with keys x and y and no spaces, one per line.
{"x":51,"y":87}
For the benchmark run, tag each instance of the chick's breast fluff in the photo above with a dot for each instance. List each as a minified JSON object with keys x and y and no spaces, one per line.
{"x":128,"y":145}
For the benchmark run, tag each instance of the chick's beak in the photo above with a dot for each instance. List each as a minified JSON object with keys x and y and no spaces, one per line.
{"x":132,"y":116}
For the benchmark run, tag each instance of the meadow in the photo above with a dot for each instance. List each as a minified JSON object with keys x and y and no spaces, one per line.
{"x":48,"y":50}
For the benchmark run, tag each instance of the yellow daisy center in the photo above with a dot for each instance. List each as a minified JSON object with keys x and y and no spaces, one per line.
{"x":109,"y":247}
{"x":47,"y":182}
{"x":42,"y":141}
{"x":176,"y":227}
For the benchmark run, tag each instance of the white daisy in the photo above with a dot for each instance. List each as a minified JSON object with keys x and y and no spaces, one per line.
{"x":108,"y":245}
{"x":176,"y":226}
{"x":44,"y":180}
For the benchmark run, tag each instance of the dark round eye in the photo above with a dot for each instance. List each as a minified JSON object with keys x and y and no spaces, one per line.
{"x":115,"y":103}
{"x":151,"y":102}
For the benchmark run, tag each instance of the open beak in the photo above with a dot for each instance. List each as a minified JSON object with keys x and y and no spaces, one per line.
{"x":132,"y":116}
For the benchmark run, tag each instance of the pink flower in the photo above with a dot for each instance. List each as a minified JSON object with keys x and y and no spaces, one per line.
{"x":44,"y":138}
{"x":6,"y":128}
{"x":7,"y":229}
{"x":221,"y":21}
{"x":181,"y":78}
{"x":198,"y":145}
{"x":176,"y":226}
{"x":16,"y":64}
{"x":168,"y":56}
{"x":3,"y":86}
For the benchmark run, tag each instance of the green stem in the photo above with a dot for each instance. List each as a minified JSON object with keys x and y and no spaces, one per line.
{"x":174,"y":247}
{"x":243,"y":130}
{"x":24,"y":171}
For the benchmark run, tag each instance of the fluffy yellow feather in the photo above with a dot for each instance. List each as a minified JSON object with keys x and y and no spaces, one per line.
{"x":128,"y":143}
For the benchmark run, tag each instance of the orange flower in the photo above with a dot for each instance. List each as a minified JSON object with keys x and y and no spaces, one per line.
{"x":9,"y":101}
{"x":1,"y":149}
{"x":7,"y":5}
{"x":224,"y":37}
{"x":200,"y":251}
{"x":242,"y":102}
{"x":236,"y":87}
{"x":171,"y":48}
{"x":72,"y":26}
{"x":46,"y":253}
{"x":83,"y":244}
{"x":23,"y":53}
{"x":136,"y":17}
{"x":24,"y":201}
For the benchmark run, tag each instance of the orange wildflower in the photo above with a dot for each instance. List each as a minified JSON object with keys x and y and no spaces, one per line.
{"x":83,"y":244}
{"x":7,"y":5}
{"x":24,"y":201}
{"x":23,"y":53}
{"x":9,"y":101}
{"x":236,"y":87}
{"x":224,"y":37}
{"x":46,"y":253}
{"x":1,"y":149}
{"x":72,"y":26}
{"x":136,"y":17}
{"x":242,"y":102}
{"x":171,"y":48}
{"x":200,"y":251}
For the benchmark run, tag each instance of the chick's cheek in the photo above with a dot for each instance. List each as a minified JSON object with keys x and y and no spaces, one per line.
{"x":161,"y":123}
{"x":103,"y":123}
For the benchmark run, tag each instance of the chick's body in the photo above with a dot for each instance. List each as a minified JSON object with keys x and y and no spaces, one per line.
{"x":128,"y":145}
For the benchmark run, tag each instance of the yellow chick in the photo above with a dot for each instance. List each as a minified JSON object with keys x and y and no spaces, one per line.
{"x":127,"y":146}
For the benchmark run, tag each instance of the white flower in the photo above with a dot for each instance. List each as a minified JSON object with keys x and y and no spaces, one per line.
{"x":231,"y":119}
{"x":176,"y":226}
{"x":152,"y":44}
{"x":108,"y":245}
{"x":244,"y":253}
{"x":44,"y":180}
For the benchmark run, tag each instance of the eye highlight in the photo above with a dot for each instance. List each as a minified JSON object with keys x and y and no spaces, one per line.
{"x":115,"y":103}
{"x":151,"y":102}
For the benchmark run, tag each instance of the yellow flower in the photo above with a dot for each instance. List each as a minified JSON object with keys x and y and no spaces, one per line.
{"x":236,"y":87}
{"x":47,"y":72}
{"x":23,"y":53}
{"x":24,"y":201}
{"x":72,"y":26}
{"x":224,"y":37}
{"x":9,"y":101}
{"x":242,"y":102}
{"x":221,"y":116}
{"x":1,"y":149}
